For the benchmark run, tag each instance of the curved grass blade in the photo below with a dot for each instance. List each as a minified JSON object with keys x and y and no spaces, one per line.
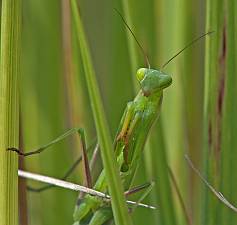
{"x":119,"y":207}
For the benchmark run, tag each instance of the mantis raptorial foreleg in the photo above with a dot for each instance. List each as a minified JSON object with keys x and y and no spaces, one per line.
{"x":128,"y":114}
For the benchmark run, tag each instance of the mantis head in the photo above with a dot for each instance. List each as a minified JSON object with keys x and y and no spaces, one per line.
{"x":152,"y":81}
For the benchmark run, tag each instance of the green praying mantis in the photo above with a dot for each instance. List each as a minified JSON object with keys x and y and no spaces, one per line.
{"x":130,"y":139}
{"x":132,"y":133}
{"x":137,"y":120}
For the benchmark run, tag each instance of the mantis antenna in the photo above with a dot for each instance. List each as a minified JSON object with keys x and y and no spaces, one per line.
{"x":187,"y":46}
{"x":138,"y":43}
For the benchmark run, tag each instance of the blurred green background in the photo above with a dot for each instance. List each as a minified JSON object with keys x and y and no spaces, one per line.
{"x":198,"y":112}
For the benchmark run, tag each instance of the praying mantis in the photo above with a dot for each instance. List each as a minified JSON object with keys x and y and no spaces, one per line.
{"x":138,"y":117}
{"x":137,"y":120}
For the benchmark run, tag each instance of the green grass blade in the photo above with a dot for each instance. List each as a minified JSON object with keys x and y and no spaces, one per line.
{"x":119,"y":207}
{"x":160,"y":172}
{"x":229,"y":122}
{"x":212,"y":121}
{"x":9,"y":109}
{"x":220,"y":111}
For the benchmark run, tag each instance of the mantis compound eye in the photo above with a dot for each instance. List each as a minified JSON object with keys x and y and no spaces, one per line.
{"x":141,"y":74}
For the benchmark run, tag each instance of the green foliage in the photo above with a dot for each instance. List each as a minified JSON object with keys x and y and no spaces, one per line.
{"x":198,"y":111}
{"x":220,"y":109}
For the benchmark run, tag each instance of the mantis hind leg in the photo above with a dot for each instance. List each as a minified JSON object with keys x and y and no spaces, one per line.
{"x":67,"y":174}
{"x":148,"y":188}
{"x":70,"y":170}
{"x":81,"y":134}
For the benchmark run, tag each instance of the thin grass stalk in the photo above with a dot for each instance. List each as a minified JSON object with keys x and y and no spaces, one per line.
{"x":160,"y":173}
{"x":9,"y":106}
{"x":119,"y":207}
